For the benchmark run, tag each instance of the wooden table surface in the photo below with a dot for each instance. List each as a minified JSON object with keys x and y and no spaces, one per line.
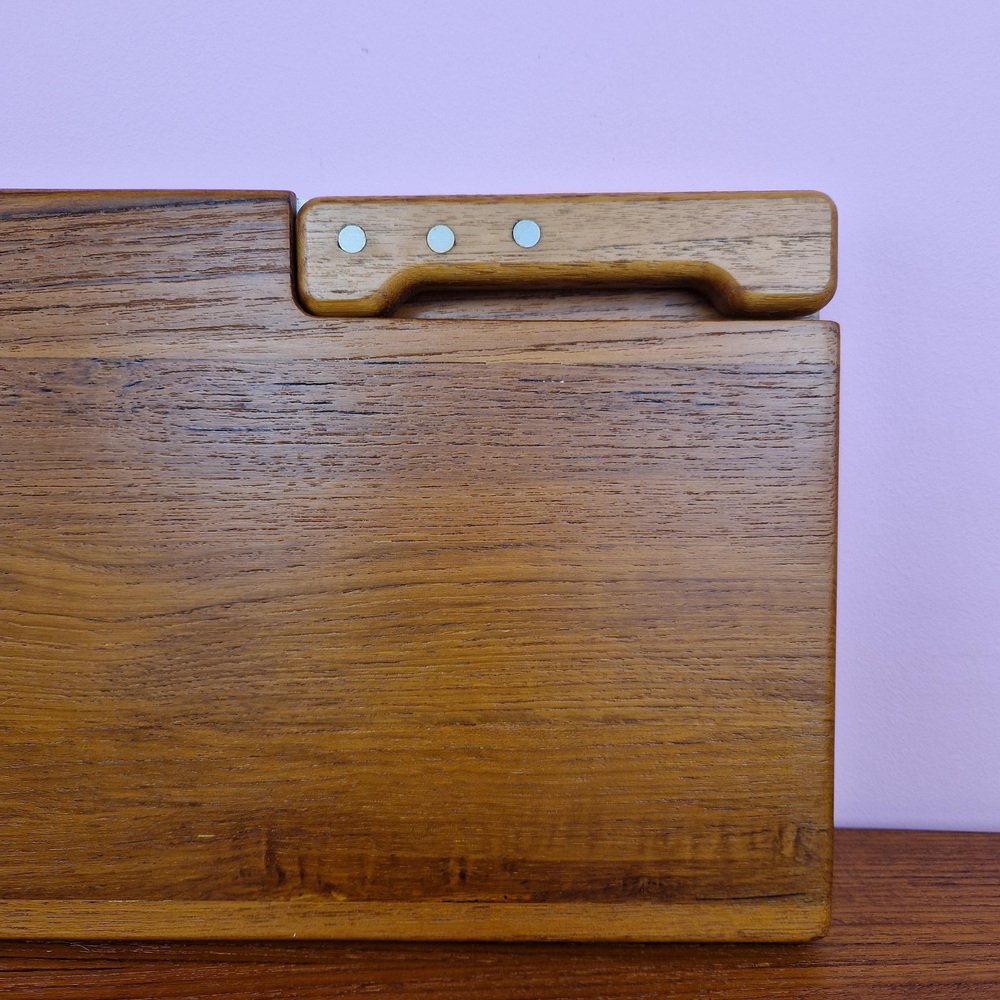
{"x":915,"y":915}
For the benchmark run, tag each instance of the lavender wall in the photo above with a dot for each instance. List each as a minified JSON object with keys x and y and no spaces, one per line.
{"x":891,"y":107}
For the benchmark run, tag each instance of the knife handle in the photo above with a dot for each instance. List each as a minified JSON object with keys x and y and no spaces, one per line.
{"x":751,"y":254}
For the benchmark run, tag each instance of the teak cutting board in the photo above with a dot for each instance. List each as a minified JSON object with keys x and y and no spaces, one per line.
{"x":434,"y":624}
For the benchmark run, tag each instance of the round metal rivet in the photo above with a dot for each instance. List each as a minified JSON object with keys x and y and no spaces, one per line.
{"x":440,"y":238}
{"x":351,"y":239}
{"x":526,"y":233}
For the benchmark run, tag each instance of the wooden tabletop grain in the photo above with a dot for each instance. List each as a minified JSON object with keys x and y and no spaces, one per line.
{"x":916,"y":915}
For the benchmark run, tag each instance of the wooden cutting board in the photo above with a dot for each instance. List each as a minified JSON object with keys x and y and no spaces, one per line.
{"x":510,"y":620}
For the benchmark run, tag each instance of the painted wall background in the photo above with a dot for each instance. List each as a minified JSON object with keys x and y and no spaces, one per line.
{"x":891,"y":107}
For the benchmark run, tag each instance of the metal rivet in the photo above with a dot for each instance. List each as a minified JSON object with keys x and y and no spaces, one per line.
{"x":351,"y":239}
{"x":526,"y":233}
{"x":440,"y":238}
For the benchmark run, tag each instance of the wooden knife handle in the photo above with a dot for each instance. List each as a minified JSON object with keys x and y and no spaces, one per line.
{"x":752,"y":254}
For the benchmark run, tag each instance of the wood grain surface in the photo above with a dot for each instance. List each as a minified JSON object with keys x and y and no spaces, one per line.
{"x":915,"y":915}
{"x":757,"y":253}
{"x":495,"y":628}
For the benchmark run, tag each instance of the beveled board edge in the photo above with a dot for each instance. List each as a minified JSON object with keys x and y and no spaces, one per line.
{"x":781,"y":918}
